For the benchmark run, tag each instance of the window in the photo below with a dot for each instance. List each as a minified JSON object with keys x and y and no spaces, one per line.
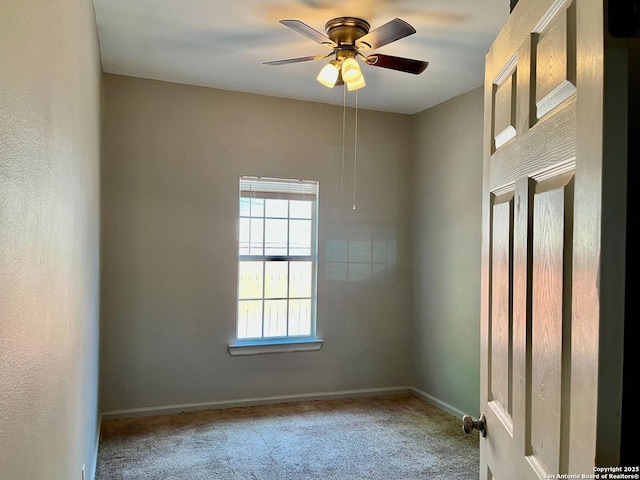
{"x":277,"y":258}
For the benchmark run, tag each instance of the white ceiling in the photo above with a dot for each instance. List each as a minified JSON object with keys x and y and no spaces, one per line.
{"x":223,"y":43}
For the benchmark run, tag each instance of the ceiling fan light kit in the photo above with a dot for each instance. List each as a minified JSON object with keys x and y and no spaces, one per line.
{"x":349,"y":37}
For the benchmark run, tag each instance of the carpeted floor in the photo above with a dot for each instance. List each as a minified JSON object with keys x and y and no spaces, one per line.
{"x":380,"y":438}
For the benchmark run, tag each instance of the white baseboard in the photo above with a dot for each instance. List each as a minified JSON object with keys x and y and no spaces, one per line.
{"x":249,"y":402}
{"x":438,"y":403}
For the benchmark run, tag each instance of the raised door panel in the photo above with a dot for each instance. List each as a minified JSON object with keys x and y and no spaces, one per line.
{"x":501,"y":348}
{"x":555,"y":58}
{"x":547,"y":398}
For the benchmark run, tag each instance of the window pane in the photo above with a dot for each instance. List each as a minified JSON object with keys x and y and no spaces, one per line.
{"x":275,"y":318}
{"x":244,"y":206}
{"x":300,"y":237}
{"x":250,"y":280}
{"x":300,"y":209}
{"x":256,"y":236}
{"x":276,"y":276}
{"x":299,"y":279}
{"x":243,"y":234}
{"x":253,"y":207}
{"x":275,"y":242}
{"x":300,"y":317}
{"x":249,"y":318}
{"x":277,"y":208}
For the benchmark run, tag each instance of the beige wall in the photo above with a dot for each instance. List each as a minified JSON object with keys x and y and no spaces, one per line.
{"x":49,"y":235}
{"x":172,"y":158}
{"x":447,"y":193}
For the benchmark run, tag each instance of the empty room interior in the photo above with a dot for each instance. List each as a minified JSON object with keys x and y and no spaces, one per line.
{"x":136,"y":198}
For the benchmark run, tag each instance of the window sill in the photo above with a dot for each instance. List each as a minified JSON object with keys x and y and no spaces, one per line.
{"x":252,"y":347}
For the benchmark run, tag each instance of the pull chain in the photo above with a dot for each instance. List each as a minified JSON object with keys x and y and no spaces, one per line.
{"x":355,"y":153}
{"x":344,"y":116}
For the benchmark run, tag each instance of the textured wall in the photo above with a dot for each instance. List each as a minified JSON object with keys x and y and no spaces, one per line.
{"x":172,"y":158}
{"x":447,"y":155}
{"x":49,"y":235}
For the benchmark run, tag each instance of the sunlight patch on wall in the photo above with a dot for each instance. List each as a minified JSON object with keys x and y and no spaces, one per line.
{"x":363,"y":254}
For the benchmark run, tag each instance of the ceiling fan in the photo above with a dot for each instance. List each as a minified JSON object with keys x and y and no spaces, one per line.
{"x":349,"y":37}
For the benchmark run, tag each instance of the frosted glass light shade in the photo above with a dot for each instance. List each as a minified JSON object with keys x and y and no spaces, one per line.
{"x":356,"y":85}
{"x":329,"y":74}
{"x":350,"y":70}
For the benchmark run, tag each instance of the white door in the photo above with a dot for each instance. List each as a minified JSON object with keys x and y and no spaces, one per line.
{"x":541,"y":249}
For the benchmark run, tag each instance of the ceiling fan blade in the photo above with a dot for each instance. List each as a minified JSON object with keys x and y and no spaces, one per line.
{"x":407,"y":65}
{"x":309,"y":32}
{"x":296,"y":60}
{"x":387,"y":33}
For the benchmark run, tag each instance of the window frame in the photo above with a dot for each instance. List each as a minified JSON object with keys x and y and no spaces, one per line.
{"x":284,"y":189}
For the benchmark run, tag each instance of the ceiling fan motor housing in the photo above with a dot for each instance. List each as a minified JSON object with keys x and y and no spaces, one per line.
{"x":344,"y":31}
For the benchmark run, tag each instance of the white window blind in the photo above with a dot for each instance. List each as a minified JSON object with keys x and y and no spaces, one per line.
{"x":261,"y":187}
